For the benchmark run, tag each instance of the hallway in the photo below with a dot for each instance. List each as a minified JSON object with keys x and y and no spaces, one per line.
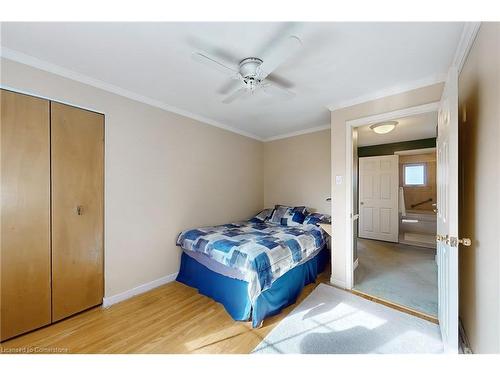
{"x":403,"y":274}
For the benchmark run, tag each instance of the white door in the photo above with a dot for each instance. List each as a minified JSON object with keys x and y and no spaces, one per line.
{"x":378,"y":197}
{"x":447,"y":215}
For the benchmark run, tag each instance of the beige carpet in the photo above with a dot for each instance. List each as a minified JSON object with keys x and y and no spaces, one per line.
{"x":399,"y":273}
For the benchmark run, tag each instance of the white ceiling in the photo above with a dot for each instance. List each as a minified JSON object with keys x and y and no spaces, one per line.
{"x":408,"y":129}
{"x":338,"y":63}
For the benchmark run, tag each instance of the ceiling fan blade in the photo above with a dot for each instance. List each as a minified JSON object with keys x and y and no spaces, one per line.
{"x":238,"y":94}
{"x":230,"y":86}
{"x":209,"y":61}
{"x":275,"y":89}
{"x":279,"y":55}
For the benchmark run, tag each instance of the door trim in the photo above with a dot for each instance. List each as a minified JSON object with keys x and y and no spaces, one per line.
{"x":467,"y":38}
{"x":349,"y":202}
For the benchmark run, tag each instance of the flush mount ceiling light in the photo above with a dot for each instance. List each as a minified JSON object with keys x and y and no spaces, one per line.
{"x":384,"y":127}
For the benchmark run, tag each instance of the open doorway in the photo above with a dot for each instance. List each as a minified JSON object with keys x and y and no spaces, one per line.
{"x":394,"y":197}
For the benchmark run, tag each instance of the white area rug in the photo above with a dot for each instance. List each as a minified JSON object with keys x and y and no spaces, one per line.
{"x":331,"y":320}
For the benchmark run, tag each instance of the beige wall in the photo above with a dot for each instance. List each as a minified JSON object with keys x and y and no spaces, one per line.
{"x":164,"y":173}
{"x":479,"y":97}
{"x":417,"y":194}
{"x":297,"y":171}
{"x":339,"y":117}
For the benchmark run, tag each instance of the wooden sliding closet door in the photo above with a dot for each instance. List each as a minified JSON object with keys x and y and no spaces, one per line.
{"x":77,"y":143}
{"x":25,"y":214}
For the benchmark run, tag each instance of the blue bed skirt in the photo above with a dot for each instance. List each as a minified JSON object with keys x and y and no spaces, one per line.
{"x":233,"y":294}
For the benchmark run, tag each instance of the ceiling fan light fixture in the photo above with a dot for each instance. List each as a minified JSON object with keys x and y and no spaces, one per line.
{"x":253,"y":72}
{"x":384,"y":127}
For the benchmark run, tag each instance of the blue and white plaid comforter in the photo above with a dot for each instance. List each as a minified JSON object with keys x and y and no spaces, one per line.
{"x":262,"y":251}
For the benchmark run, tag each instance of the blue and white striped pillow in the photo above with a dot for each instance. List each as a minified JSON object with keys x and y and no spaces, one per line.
{"x":317,"y":218}
{"x":289,"y":216}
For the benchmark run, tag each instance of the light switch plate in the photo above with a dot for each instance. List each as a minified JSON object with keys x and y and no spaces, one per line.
{"x":338,"y":180}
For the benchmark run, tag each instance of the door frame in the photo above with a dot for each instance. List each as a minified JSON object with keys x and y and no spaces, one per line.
{"x":349,"y":202}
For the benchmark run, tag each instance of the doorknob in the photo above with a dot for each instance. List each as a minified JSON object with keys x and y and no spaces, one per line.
{"x":454,"y":241}
{"x":79,"y":210}
{"x":465,"y":241}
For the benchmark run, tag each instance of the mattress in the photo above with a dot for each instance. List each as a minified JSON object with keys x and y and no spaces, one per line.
{"x":215,"y":266}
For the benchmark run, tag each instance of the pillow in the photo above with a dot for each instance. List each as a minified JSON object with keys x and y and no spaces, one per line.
{"x":289,"y":216}
{"x":262,"y":215}
{"x":317,"y":218}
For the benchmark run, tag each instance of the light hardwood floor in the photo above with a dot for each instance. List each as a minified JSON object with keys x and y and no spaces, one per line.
{"x":170,"y":319}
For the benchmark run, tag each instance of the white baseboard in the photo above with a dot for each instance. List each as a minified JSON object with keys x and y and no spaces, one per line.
{"x":108,"y":301}
{"x":339,"y":283}
{"x":356,"y":264}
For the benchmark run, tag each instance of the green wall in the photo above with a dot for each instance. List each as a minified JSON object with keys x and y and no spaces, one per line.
{"x":391,"y":148}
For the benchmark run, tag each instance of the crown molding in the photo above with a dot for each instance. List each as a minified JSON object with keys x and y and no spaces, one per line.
{"x":38,"y":95}
{"x":399,"y":89}
{"x":298,"y":132}
{"x":467,"y":38}
{"x":34,"y":62}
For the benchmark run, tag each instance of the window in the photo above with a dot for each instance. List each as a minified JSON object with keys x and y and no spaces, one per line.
{"x":414,"y":174}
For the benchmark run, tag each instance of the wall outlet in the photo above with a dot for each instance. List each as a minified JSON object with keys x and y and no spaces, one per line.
{"x":338,"y":180}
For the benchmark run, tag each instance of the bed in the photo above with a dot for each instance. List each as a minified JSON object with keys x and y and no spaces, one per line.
{"x":254,"y":268}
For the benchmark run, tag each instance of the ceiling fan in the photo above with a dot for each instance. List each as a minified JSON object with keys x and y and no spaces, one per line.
{"x":252,"y":73}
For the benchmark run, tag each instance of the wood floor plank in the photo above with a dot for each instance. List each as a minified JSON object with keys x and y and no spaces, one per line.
{"x":170,"y":319}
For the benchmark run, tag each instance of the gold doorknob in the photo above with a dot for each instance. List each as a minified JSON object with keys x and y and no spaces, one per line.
{"x":465,"y":241}
{"x":454,"y":241}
